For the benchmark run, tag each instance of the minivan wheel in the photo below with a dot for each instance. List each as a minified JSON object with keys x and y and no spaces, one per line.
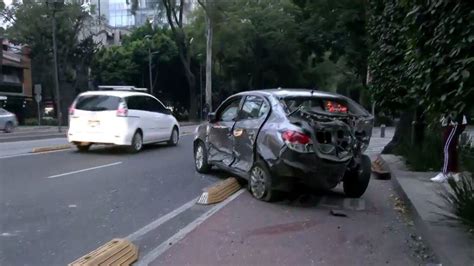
{"x":137,"y":143}
{"x":174,"y":138}
{"x":357,"y":180}
{"x":9,"y":127}
{"x":200,"y":158}
{"x":260,"y":183}
{"x":83,"y":148}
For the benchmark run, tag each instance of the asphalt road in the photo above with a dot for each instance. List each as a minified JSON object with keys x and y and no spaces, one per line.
{"x":58,"y":206}
{"x":52,"y":214}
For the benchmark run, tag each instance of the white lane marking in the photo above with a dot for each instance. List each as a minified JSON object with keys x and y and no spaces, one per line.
{"x":151,"y":226}
{"x":30,"y":154}
{"x":84,"y":170}
{"x":155,"y":253}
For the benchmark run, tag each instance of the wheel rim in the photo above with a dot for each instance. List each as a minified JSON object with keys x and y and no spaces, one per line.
{"x":199,"y":157}
{"x":174,"y":137}
{"x":138,"y":142}
{"x":8,"y":127}
{"x":257,"y":182}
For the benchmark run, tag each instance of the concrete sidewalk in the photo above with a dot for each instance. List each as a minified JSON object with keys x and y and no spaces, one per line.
{"x":449,"y":240}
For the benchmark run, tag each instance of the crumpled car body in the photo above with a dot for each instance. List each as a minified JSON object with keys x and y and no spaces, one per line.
{"x":302,"y":136}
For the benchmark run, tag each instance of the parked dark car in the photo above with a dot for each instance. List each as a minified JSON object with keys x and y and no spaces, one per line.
{"x":281,"y":137}
{"x":8,"y":121}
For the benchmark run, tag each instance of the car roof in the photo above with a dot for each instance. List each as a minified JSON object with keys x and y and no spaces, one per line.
{"x":287,"y":92}
{"x":116,"y":93}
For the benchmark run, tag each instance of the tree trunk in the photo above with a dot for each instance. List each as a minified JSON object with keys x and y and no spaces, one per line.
{"x":402,"y":132}
{"x":209,"y":63}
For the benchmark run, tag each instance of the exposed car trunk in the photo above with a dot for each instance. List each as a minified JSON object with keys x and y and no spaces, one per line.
{"x":336,"y":137}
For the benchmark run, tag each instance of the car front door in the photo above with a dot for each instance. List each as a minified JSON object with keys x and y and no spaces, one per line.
{"x":252,"y":116}
{"x":220,"y":137}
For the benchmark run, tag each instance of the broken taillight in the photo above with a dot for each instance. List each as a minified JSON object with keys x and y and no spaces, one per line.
{"x":297,"y":141}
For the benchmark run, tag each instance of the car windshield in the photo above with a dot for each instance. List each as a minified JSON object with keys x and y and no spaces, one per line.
{"x":97,"y":103}
{"x":318,"y":104}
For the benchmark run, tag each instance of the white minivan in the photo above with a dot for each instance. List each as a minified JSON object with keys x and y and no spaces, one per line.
{"x":123,"y":117}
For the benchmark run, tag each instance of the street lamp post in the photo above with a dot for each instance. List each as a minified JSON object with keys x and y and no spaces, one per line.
{"x":148,"y":37}
{"x":54,"y":3}
{"x":149,"y":70}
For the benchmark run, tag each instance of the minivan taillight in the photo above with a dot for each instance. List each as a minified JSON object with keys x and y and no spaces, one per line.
{"x":122,"y":110}
{"x":71,"y":110}
{"x":298,"y":141}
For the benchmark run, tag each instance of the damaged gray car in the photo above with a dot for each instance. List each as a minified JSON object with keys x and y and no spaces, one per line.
{"x":279,"y":138}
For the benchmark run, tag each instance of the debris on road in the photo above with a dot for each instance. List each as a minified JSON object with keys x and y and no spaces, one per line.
{"x":380,"y":169}
{"x":338,"y":213}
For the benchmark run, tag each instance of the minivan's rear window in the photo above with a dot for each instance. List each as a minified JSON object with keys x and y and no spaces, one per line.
{"x":97,"y":103}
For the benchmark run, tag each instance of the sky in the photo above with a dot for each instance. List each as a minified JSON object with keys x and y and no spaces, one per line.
{"x":7,"y":2}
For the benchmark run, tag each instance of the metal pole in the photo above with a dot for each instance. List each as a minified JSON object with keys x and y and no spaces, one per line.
{"x":56,"y":76}
{"x":209,"y":63}
{"x":201,"y":99}
{"x":39,"y":113}
{"x":149,"y":70}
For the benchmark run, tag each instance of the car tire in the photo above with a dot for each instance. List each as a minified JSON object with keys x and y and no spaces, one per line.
{"x":260,"y":183}
{"x":137,"y":143}
{"x":9,"y":127}
{"x":357,"y":180}
{"x":174,"y":137}
{"x":83,"y":148}
{"x":200,"y":158}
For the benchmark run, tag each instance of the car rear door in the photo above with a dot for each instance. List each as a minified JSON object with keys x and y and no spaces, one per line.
{"x":138,"y":108}
{"x":220,"y":138}
{"x":252,"y":116}
{"x":162,"y":122}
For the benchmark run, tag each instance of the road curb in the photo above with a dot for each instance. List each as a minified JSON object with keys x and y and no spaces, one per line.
{"x":420,"y":224}
{"x":51,"y":148}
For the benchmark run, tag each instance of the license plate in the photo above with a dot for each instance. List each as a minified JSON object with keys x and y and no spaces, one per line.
{"x":94,"y":123}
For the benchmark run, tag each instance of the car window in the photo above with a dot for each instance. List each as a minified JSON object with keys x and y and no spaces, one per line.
{"x":97,"y":103}
{"x":155,"y":105}
{"x":229,"y":113}
{"x":264,"y":109}
{"x":251,"y":108}
{"x":137,"y":103}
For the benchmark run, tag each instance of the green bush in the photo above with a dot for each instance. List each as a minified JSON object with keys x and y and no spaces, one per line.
{"x":461,"y":200}
{"x":467,"y":159}
{"x":427,"y":157}
{"x":46,"y":121}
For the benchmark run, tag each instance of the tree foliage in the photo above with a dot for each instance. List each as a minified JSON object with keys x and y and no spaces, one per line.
{"x":422,"y":54}
{"x":31,"y":24}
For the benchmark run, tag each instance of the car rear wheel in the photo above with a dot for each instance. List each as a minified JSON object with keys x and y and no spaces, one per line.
{"x":9,"y":127}
{"x":174,"y":138}
{"x":357,"y":180}
{"x":137,"y":143}
{"x":200,"y":158}
{"x":83,"y":148}
{"x":260,"y":183}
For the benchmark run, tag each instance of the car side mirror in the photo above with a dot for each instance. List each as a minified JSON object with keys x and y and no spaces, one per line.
{"x":168,"y":111}
{"x":211,"y":117}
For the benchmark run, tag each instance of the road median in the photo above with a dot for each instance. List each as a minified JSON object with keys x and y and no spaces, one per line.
{"x":51,"y":148}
